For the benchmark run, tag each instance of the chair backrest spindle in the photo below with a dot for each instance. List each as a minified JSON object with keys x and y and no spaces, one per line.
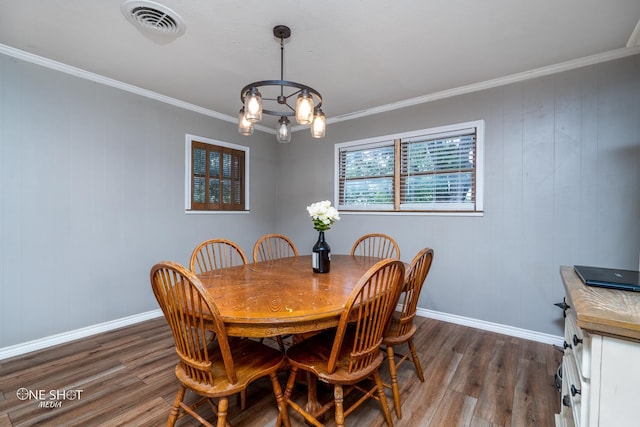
{"x":273,"y":246}
{"x":376,"y":245}
{"x":214,"y":254}
{"x":416,"y":276}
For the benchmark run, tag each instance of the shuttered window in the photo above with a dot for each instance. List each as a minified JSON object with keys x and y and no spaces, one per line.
{"x":433,"y":170}
{"x":217,"y":176}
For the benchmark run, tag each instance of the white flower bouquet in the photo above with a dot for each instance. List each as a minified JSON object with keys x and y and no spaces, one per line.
{"x":323,"y":215}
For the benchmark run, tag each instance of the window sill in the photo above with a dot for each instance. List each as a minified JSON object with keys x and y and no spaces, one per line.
{"x":188,"y":212}
{"x":411,"y":213}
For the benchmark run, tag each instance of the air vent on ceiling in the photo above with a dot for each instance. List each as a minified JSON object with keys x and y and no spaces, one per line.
{"x":153,"y":17}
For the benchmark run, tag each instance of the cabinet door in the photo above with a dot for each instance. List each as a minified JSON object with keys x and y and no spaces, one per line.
{"x":619,"y":383}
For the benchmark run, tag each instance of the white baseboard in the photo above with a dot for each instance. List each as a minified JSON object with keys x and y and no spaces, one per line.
{"x":493,"y":327}
{"x":19,"y":349}
{"x":29,"y":346}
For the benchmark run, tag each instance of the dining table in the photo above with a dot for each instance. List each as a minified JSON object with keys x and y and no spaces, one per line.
{"x":283,"y":296}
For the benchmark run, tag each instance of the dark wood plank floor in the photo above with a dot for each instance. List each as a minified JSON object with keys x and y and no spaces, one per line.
{"x":125,"y":377}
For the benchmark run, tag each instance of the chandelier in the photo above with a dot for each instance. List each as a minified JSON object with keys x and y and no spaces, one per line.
{"x":307,"y":109}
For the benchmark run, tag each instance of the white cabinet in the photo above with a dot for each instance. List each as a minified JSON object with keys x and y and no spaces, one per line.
{"x":576,"y":371}
{"x":601,"y":362}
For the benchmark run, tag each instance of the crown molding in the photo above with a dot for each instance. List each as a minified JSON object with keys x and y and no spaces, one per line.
{"x":632,"y":49}
{"x":83,"y":74}
{"x":634,"y":40}
{"x":488,"y":84}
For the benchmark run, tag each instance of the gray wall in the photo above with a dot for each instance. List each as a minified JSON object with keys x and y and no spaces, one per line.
{"x":92,"y":194}
{"x":562,"y":187}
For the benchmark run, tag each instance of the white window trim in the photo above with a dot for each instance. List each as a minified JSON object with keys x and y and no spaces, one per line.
{"x":187,"y":180}
{"x":383,"y":140}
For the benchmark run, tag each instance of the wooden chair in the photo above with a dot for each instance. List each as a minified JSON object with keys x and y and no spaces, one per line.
{"x":216,"y":253}
{"x":210,"y":368}
{"x":402,"y":329}
{"x":376,"y":245}
{"x":273,"y":246}
{"x":351,"y":353}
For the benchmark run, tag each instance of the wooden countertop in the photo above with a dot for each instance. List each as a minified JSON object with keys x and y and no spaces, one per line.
{"x":603,"y":311}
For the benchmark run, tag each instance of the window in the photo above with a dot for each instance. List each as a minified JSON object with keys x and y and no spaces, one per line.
{"x":217,"y":175}
{"x":431,"y":170}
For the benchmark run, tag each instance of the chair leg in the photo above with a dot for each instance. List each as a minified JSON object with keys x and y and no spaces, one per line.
{"x":280,"y":342}
{"x":308,"y":417}
{"x":416,"y":360}
{"x":383,"y":398}
{"x":291,"y":382}
{"x":338,"y":397}
{"x":243,"y":400}
{"x":313,"y":406}
{"x":223,"y":407}
{"x":283,"y":413}
{"x":394,"y":381}
{"x":175,"y":409}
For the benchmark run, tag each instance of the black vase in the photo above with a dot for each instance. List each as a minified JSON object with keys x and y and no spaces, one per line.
{"x":321,"y":255}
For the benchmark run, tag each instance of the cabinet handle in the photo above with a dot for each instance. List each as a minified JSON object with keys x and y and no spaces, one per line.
{"x":566,"y":345}
{"x":564,"y":306}
{"x":566,"y":400}
{"x":576,"y":340}
{"x":575,"y":390}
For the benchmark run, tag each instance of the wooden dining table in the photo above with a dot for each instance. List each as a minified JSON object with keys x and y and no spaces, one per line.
{"x":283,"y":296}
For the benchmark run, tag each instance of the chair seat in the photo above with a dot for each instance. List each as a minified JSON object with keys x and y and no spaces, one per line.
{"x":392,"y":336}
{"x":251,"y":359}
{"x":313,"y":355}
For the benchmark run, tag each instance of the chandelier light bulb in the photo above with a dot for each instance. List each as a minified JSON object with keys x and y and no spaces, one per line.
{"x":318,"y":125}
{"x":304,"y":108}
{"x":253,"y":106}
{"x":245,"y":127}
{"x":284,"y":130}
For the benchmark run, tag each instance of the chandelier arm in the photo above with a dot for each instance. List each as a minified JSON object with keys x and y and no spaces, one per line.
{"x":279,"y":113}
{"x":282,"y":83}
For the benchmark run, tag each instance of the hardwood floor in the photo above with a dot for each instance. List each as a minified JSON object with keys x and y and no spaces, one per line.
{"x":125,"y":377}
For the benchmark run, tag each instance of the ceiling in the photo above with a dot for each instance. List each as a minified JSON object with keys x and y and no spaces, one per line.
{"x":362,"y":56}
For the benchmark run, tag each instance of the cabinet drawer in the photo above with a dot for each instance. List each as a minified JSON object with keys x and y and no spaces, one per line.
{"x":570,"y":379}
{"x":575,"y":390}
{"x":580,"y":343}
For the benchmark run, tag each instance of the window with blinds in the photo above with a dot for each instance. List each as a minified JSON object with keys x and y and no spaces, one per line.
{"x":437,"y":170}
{"x":367,"y":176}
{"x":217,"y":176}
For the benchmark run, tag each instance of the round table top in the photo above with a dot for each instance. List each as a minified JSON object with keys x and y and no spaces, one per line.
{"x":284,"y":296}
